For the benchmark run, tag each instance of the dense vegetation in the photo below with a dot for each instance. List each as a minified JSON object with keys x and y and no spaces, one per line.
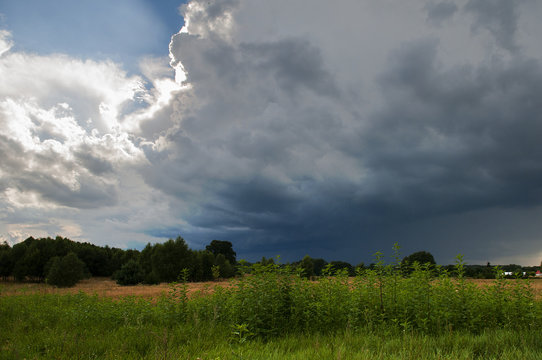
{"x":85,"y":327}
{"x":276,"y":313}
{"x":275,"y":301}
{"x":47,"y":259}
{"x":42,"y":259}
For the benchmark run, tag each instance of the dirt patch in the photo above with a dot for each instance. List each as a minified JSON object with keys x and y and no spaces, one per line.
{"x":107,"y":288}
{"x":536,"y":284}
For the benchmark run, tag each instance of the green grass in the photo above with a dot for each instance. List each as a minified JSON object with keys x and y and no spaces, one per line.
{"x":276,"y":314}
{"x":86,"y":327}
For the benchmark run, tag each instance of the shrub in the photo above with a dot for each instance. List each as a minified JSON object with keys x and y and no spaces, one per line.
{"x":151,"y":278}
{"x":66,"y":271}
{"x":226,"y":269}
{"x":130,"y":273}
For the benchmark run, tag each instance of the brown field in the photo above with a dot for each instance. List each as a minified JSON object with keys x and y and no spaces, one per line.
{"x":535,"y":283}
{"x":109,"y":288}
{"x":104,"y":287}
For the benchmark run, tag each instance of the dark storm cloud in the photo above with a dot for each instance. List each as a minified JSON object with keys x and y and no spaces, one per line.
{"x":464,"y":137}
{"x":499,"y":17}
{"x":276,"y":158}
{"x":438,"y":12}
{"x":89,"y":194}
{"x":293,"y":63}
{"x":259,"y":196}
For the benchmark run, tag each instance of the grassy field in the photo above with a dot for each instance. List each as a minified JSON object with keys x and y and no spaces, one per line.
{"x":274,"y":314}
{"x":87,"y":327}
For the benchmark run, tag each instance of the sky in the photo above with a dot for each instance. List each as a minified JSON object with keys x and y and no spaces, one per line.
{"x":287,"y":127}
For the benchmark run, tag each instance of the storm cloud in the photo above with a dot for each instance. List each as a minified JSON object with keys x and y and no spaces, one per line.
{"x":334,"y":131}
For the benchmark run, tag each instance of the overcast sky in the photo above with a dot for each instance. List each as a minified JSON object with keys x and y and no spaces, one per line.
{"x":288,"y":127}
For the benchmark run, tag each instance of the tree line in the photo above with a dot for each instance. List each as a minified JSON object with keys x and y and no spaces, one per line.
{"x":63,"y":262}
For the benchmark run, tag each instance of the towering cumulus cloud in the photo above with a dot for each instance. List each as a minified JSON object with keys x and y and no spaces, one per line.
{"x":333,"y":129}
{"x":70,"y":147}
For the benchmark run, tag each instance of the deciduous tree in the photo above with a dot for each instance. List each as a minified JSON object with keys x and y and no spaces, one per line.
{"x":66,"y":271}
{"x":222,"y":247}
{"x":130,"y":273}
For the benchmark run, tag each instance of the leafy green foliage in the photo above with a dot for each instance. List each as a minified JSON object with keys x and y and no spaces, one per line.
{"x":273,"y":312}
{"x":226,"y":269}
{"x":276,"y":299}
{"x":91,"y":327}
{"x":225,"y":248}
{"x":130,"y":273}
{"x":216,"y":272}
{"x":307,"y":265}
{"x":6,"y":260}
{"x":28,"y":260}
{"x":169,"y":258}
{"x":66,"y":271}
{"x":343,"y":265}
{"x":420,"y":257}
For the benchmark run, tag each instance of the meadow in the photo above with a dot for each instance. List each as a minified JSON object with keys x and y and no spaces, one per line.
{"x":275,"y":313}
{"x":107,"y":287}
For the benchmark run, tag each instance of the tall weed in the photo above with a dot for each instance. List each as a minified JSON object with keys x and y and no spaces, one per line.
{"x":274,"y":300}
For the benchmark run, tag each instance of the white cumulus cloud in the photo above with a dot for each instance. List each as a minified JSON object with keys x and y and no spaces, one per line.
{"x":5,"y":41}
{"x":70,"y":138}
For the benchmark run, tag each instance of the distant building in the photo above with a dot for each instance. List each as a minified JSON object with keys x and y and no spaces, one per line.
{"x":538,"y":273}
{"x":511,"y":273}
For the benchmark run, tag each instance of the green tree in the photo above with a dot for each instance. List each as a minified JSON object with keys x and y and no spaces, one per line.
{"x":227,"y":270}
{"x":95,"y":257}
{"x":202,"y":264}
{"x":267,"y":261}
{"x":6,"y":260}
{"x":40,"y":251}
{"x":130,"y":273}
{"x":29,"y":265}
{"x":319,"y":265}
{"x":145,"y":259}
{"x":18,"y":252}
{"x":170,"y":258}
{"x":307,"y":265}
{"x":339,"y":265}
{"x":130,"y":254}
{"x":66,"y":271}
{"x":361,"y":266}
{"x":216,"y":272}
{"x":421,"y":257}
{"x":115,"y":256}
{"x":222,"y":247}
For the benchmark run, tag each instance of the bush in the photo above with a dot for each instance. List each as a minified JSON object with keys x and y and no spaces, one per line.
{"x":66,"y":271}
{"x":420,"y":257}
{"x":226,"y":269}
{"x":151,"y":278}
{"x":130,"y":273}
